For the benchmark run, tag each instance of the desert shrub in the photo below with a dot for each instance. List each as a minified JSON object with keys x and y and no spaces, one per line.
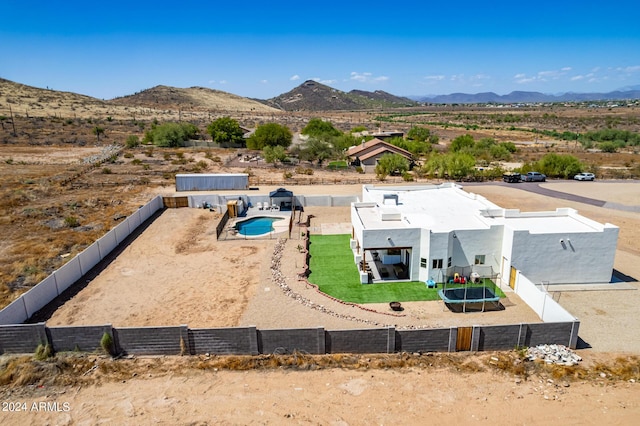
{"x":106,"y":171}
{"x":166,"y":156}
{"x":132,"y":141}
{"x":202,"y":164}
{"x":43,"y":352}
{"x":128,"y":155}
{"x":71,"y":222}
{"x":149,"y":152}
{"x":608,"y":147}
{"x":216,"y":159}
{"x":359,"y":169}
{"x":106,"y":343}
{"x":136,"y":161}
{"x":146,"y":166}
{"x":407,"y":177}
{"x":287,"y":175}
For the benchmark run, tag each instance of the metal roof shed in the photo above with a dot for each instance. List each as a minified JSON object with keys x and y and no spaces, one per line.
{"x":212,"y":182}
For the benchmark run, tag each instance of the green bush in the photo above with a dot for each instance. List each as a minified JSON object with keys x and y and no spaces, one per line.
{"x":71,"y":222}
{"x":43,"y":352}
{"x":106,"y":343}
{"x":132,"y":141}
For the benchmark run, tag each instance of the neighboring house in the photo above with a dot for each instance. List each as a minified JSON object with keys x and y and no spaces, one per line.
{"x":434,"y":231}
{"x":367,"y":154}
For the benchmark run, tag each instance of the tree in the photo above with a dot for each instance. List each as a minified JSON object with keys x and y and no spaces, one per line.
{"x":98,"y":131}
{"x":460,"y":164}
{"x":461,"y":142}
{"x":171,"y":134}
{"x":422,"y":134}
{"x":559,"y":165}
{"x":272,"y":154}
{"x":317,"y":149}
{"x":226,"y":131}
{"x":318,"y":127}
{"x":391,"y":163}
{"x":270,"y":134}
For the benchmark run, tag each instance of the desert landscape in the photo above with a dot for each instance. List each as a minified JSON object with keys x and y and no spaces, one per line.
{"x":63,"y":187}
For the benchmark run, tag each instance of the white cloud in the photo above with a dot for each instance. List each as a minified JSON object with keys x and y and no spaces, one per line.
{"x":577,"y":77}
{"x":212,"y":82}
{"x":223,"y":81}
{"x":565,"y":69}
{"x":264,"y":81}
{"x":632,"y":69}
{"x":323,"y":81}
{"x":433,"y":78}
{"x":367,"y":77}
{"x":294,"y":77}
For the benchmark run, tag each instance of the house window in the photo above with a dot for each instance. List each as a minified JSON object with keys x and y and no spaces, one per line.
{"x":449,"y":263}
{"x":436,"y":264}
{"x":479,"y":259}
{"x":423,"y":262}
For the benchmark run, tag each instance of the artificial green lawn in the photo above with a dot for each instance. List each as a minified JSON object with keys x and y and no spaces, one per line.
{"x":335,"y":273}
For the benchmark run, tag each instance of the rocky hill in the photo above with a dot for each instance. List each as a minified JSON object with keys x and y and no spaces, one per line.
{"x":33,"y":101}
{"x":193,"y":98}
{"x":314,"y":96}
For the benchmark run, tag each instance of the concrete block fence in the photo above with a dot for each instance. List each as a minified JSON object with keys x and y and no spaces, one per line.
{"x":181,"y":340}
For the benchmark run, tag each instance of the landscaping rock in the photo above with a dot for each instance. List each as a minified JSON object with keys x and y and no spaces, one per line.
{"x":553,"y":354}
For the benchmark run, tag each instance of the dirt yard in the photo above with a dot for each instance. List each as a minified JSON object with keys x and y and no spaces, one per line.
{"x":186,"y":276}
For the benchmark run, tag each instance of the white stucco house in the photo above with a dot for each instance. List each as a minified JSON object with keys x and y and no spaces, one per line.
{"x":428,"y":232}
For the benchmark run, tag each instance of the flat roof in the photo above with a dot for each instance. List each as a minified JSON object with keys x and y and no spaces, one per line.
{"x":441,"y":208}
{"x":446,"y":208}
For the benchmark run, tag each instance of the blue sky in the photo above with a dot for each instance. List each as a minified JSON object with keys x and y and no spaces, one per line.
{"x":263,"y":49}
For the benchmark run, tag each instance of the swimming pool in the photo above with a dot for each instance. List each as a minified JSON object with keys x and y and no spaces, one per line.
{"x":256,"y":225}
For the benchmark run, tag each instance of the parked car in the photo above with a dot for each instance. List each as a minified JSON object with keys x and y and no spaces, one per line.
{"x":534,"y":177}
{"x":585,"y":176}
{"x":511,"y":177}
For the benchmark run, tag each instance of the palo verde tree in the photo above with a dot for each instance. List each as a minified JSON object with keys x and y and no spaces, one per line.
{"x":422,"y":134}
{"x":273,"y":154}
{"x":391,"y":163}
{"x":226,"y":131}
{"x":270,"y":134}
{"x":461,"y":142}
{"x":171,"y":134}
{"x":320,"y":128}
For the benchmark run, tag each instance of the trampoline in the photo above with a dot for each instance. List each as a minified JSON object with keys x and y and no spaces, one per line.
{"x":468,"y":294}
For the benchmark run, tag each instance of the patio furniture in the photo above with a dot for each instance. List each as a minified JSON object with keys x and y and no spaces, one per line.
{"x":384,"y":272}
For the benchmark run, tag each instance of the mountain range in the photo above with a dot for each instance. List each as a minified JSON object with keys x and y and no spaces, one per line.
{"x":308,"y":96}
{"x":627,"y":93}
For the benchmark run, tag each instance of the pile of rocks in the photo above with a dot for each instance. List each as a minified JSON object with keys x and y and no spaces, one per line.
{"x":553,"y":354}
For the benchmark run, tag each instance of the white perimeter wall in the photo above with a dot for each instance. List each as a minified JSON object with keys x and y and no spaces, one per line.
{"x":541,"y":302}
{"x":60,"y":280}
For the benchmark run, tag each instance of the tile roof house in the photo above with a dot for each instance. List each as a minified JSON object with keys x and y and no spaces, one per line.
{"x":367,"y":154}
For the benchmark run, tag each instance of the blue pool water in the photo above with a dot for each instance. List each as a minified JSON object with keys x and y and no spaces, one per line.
{"x":256,"y":225}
